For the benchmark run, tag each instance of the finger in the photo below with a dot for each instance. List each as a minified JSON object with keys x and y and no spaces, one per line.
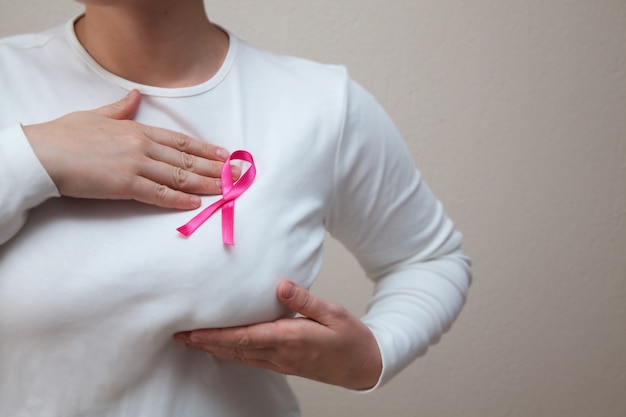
{"x":258,"y":358}
{"x":235,"y":353}
{"x":182,"y":337}
{"x":123,"y":109}
{"x":285,"y":361}
{"x":241,"y":337}
{"x":178,"y":179}
{"x":186,"y":161}
{"x":150,"y":192}
{"x":258,"y":336}
{"x":303,"y":302}
{"x":185,"y":143}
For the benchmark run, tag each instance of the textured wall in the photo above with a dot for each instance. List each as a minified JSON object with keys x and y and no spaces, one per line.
{"x":516,"y":113}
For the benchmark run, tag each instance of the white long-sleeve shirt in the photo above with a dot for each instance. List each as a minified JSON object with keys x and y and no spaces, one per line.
{"x":92,"y":291}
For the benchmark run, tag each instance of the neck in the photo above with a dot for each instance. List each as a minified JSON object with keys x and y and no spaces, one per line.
{"x":159,"y":43}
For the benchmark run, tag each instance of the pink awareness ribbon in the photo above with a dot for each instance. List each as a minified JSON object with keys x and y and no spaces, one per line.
{"x":230,"y":192}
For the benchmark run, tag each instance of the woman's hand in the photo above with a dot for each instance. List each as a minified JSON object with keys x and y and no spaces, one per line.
{"x":102,"y":154}
{"x":329,"y":344}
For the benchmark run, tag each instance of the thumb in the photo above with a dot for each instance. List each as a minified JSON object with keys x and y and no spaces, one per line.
{"x":302,"y":301}
{"x":123,"y":109}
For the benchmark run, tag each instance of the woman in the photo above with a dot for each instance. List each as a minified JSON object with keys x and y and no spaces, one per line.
{"x":105,"y":310}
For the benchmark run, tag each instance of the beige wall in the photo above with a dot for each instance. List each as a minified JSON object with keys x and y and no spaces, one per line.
{"x":516,"y":113}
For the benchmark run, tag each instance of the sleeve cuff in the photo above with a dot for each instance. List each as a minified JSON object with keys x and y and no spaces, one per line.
{"x":24,"y":183}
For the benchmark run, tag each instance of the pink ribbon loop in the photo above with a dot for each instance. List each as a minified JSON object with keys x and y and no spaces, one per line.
{"x":230,"y":192}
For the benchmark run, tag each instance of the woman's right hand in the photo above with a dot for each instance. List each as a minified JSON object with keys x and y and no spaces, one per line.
{"x":103,"y":154}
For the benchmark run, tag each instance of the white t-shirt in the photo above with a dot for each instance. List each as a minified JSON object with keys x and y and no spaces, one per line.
{"x":92,"y":291}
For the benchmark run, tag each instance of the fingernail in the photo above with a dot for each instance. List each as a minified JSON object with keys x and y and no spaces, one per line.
{"x":235,"y":171}
{"x":182,"y":337}
{"x":195,"y":200}
{"x":218,"y":184}
{"x":222,"y":154}
{"x":288,"y":290}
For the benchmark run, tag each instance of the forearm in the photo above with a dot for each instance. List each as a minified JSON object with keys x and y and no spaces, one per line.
{"x":413,"y":306}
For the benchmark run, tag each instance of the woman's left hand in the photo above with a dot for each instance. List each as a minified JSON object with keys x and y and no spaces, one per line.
{"x":328,"y":344}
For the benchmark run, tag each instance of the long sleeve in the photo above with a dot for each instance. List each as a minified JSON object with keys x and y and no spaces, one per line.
{"x":24,"y":183}
{"x":385,"y":214}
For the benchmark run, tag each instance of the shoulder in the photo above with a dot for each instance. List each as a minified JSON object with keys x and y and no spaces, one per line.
{"x":25,"y":52}
{"x":30,"y":40}
{"x":287,"y":71}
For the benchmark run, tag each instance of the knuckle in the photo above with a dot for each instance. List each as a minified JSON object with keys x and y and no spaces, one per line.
{"x":244,"y":342}
{"x":181,"y":140}
{"x":187,"y":161}
{"x":336,"y":310}
{"x":128,"y":124}
{"x":179,"y":177}
{"x":286,"y":367}
{"x":160,"y":193}
{"x":125,"y":187}
{"x":137,"y":142}
{"x":305,"y":302}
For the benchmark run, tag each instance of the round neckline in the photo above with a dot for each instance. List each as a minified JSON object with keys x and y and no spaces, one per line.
{"x":151,"y":90}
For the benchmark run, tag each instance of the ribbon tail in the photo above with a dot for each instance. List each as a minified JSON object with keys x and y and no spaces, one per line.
{"x":228,"y":223}
{"x":191,"y":226}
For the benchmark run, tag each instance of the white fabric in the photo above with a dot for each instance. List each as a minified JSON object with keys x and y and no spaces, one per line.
{"x":92,"y":291}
